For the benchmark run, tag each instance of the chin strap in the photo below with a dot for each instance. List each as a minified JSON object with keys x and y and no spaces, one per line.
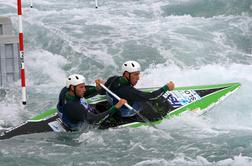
{"x":75,"y":94}
{"x":129,"y":79}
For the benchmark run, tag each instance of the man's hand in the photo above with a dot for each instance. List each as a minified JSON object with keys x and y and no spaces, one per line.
{"x":98,"y":82}
{"x":170,"y":85}
{"x":120,"y":103}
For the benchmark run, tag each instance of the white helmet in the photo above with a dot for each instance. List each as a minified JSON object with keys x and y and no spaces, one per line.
{"x":75,"y":79}
{"x":131,"y":66}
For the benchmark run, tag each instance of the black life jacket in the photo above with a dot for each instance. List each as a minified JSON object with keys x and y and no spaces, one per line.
{"x":114,"y":84}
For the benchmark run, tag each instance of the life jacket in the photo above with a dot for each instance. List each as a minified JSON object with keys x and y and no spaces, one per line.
{"x":65,"y":119}
{"x":72,"y":126}
{"x":114,"y":84}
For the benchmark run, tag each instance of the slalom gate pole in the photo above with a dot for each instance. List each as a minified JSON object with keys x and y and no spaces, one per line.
{"x":31,"y":4}
{"x":21,"y":50}
{"x":96,"y":3}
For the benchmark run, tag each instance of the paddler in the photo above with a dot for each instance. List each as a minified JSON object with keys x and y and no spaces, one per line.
{"x":124,"y":87}
{"x":73,"y":108}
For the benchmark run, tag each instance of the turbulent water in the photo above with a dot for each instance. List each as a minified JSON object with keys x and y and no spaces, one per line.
{"x":192,"y":42}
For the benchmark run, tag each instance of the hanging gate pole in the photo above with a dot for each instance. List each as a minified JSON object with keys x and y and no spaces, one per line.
{"x":21,"y":50}
{"x":31,"y":4}
{"x":96,"y":3}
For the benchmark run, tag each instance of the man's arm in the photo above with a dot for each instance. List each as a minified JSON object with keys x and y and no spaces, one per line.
{"x":61,"y":99}
{"x":132,"y":94}
{"x":108,"y":84}
{"x":95,"y":118}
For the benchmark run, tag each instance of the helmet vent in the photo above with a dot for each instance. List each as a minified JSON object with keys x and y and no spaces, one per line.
{"x":131,"y":66}
{"x":76,"y":77}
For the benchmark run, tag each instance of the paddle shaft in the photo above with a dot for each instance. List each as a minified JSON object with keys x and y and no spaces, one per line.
{"x":129,"y":107}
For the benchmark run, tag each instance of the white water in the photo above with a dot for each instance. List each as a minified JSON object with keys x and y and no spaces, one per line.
{"x":192,"y":42}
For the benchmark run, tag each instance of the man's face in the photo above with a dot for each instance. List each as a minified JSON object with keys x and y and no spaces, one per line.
{"x":134,"y":77}
{"x":80,"y":90}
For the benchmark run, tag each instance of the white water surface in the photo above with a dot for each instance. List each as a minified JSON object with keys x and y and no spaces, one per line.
{"x":191,"y":42}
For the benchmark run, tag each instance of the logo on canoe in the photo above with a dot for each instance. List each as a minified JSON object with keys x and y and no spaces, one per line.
{"x":181,"y":97}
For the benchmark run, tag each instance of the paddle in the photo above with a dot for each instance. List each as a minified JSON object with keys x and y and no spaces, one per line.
{"x":129,"y":107}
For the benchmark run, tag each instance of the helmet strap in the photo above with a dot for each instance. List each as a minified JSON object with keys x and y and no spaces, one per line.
{"x":75,"y":94}
{"x":129,"y":79}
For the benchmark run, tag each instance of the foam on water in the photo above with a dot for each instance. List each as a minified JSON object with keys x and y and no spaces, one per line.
{"x":126,"y":34}
{"x":207,"y":74}
{"x":44,"y":76}
{"x":49,"y":67}
{"x":182,"y":160}
{"x":10,"y":114}
{"x":11,"y":111}
{"x":208,"y":8}
{"x":173,"y":40}
{"x":91,"y":138}
{"x":239,"y":112}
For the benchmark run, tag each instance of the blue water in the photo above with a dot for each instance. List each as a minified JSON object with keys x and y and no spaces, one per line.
{"x":192,"y":42}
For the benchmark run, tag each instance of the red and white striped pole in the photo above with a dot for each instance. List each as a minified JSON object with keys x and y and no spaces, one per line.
{"x":21,"y":50}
